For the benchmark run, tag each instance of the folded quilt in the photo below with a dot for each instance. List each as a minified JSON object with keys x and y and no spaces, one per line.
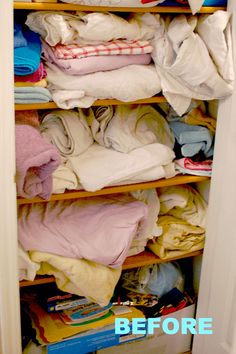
{"x":178,"y":237}
{"x":36,"y":160}
{"x":19,"y":39}
{"x":68,"y":131}
{"x":183,"y":202}
{"x":27,"y":59}
{"x":78,"y":276}
{"x":125,"y":128}
{"x":93,"y":64}
{"x":99,"y":167}
{"x":192,"y":138}
{"x":38,"y":75}
{"x":90,"y":28}
{"x":86,"y":228}
{"x":184,"y":65}
{"x":29,"y":117}
{"x":118,"y":47}
{"x":35,"y":94}
{"x":126,"y":84}
{"x":216,"y":33}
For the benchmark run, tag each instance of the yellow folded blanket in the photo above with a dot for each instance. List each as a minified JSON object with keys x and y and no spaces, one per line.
{"x":41,"y":83}
{"x":178,"y":237}
{"x":79,"y":276}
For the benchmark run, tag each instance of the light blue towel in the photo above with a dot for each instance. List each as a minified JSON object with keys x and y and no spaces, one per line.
{"x":26,"y":95}
{"x":19,"y":39}
{"x":27,"y":59}
{"x":192,"y":138}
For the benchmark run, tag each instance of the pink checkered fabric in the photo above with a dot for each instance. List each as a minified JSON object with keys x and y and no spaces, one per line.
{"x":76,"y":51}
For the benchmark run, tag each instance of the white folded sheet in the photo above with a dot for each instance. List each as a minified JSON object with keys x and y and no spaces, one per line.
{"x":126,"y":84}
{"x":184,"y":65}
{"x":89,"y":28}
{"x":98,"y":166}
{"x":125,"y":128}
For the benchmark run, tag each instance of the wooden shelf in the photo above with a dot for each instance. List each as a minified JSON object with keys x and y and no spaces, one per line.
{"x":139,"y":260}
{"x":107,"y":102}
{"x":177,"y":180}
{"x":73,"y":7}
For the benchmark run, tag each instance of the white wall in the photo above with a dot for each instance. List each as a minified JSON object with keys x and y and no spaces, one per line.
{"x":9,"y":299}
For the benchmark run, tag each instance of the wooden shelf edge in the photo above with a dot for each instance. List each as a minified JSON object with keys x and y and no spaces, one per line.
{"x":105,"y":102}
{"x":73,"y":7}
{"x":139,"y":260}
{"x":177,"y":180}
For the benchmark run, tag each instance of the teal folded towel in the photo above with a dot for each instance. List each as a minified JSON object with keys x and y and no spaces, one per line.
{"x":27,"y":58}
{"x":192,"y":138}
{"x":26,"y":95}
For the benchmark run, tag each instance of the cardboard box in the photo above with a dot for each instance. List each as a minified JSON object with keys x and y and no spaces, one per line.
{"x":159,"y":343}
{"x":91,"y":341}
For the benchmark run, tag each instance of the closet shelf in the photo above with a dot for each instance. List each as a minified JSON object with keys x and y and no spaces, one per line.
{"x":174,"y":181}
{"x":107,"y":102}
{"x":139,"y":260}
{"x":73,"y":7}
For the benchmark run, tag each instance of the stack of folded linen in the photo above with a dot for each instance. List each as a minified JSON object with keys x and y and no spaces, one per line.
{"x":30,"y":73}
{"x":96,"y":56}
{"x":182,"y":218}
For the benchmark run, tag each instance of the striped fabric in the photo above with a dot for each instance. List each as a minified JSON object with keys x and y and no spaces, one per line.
{"x":76,"y":51}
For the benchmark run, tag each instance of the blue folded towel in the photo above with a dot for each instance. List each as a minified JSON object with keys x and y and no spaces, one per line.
{"x":19,"y":39}
{"x":27,"y":59}
{"x":24,"y":95}
{"x":192,"y":138}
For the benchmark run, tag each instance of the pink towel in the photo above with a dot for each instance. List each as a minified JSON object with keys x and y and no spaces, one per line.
{"x":38,"y":75}
{"x":36,"y":159}
{"x":27,"y":117}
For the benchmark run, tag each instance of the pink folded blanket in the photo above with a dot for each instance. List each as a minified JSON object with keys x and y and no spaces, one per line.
{"x":36,"y":159}
{"x":38,"y":75}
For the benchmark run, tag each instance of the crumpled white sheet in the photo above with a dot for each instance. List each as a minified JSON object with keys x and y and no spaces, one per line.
{"x":215,"y":30}
{"x":126,"y":84}
{"x":99,"y":167}
{"x":184,"y":65}
{"x":68,"y":131}
{"x":125,"y":128}
{"x":90,"y":28}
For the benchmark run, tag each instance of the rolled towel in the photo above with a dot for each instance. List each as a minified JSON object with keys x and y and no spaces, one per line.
{"x":36,"y":159}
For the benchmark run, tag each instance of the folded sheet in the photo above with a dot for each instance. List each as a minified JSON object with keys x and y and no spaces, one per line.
{"x":35,"y":94}
{"x":27,"y":58}
{"x":183,"y":202}
{"x":126,"y":84}
{"x":99,"y":167}
{"x":68,"y":131}
{"x":36,"y":160}
{"x":125,"y":128}
{"x":79,"y":276}
{"x":97,"y":229}
{"x":90,"y":28}
{"x":184,"y":64}
{"x":93,"y":64}
{"x":178,"y":237}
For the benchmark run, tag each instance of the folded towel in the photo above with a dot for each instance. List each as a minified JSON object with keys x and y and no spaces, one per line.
{"x":27,"y":117}
{"x":36,"y":94}
{"x":19,"y":39}
{"x":68,"y":131}
{"x":27,"y":59}
{"x":36,"y":160}
{"x":192,"y":138}
{"x":38,"y":75}
{"x":41,"y":83}
{"x":93,"y":64}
